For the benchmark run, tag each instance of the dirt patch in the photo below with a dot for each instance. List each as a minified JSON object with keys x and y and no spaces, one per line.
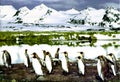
{"x":19,"y":72}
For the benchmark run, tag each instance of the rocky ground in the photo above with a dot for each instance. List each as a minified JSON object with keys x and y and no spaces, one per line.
{"x":19,"y":72}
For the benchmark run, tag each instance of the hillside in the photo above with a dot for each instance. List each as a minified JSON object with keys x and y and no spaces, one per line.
{"x":41,"y":14}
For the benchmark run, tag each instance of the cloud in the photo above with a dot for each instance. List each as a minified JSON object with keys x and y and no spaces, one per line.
{"x":63,"y":4}
{"x":67,"y":4}
{"x":32,"y":1}
{"x":115,"y":5}
{"x":16,"y":2}
{"x":49,"y":0}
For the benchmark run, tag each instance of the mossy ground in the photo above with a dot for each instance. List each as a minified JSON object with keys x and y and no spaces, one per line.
{"x":19,"y":73}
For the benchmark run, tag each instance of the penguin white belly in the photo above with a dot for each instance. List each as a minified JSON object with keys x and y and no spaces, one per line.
{"x":25,"y":61}
{"x":48,"y":63}
{"x":64,"y":64}
{"x":37,"y":67}
{"x":113,"y":69}
{"x":5,"y":61}
{"x":81,"y":67}
{"x":99,"y":69}
{"x":109,"y":58}
{"x":112,"y":66}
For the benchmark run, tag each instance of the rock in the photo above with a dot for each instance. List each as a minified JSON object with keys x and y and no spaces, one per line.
{"x":13,"y":80}
{"x":1,"y":72}
{"x":41,"y":78}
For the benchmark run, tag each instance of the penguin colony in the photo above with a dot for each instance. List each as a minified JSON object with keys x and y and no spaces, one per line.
{"x":106,"y":65}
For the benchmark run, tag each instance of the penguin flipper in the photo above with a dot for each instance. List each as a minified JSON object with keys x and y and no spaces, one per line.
{"x":110,"y":61}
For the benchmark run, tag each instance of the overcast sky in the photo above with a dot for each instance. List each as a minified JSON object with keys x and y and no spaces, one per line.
{"x":63,"y":4}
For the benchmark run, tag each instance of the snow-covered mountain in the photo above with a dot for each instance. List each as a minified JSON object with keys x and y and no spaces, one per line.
{"x":7,"y":12}
{"x":103,"y":17}
{"x":35,"y":14}
{"x":70,"y":11}
{"x":111,"y":18}
{"x":20,"y":14}
{"x":42,"y":14}
{"x":90,"y":16}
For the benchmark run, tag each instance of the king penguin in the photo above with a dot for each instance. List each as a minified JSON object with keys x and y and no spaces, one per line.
{"x":81,"y":54}
{"x":6,"y":58}
{"x":64,"y":62}
{"x":36,"y":64}
{"x":27,"y":59}
{"x":114,"y":66}
{"x":48,"y":62}
{"x":80,"y":65}
{"x":103,"y":67}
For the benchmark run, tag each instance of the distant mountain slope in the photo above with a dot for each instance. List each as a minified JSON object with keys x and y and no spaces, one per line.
{"x":20,"y":14}
{"x":42,"y":14}
{"x":109,"y":17}
{"x":7,"y":12}
{"x":71,"y":11}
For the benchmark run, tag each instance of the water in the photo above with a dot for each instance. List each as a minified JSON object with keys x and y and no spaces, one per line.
{"x":91,"y":48}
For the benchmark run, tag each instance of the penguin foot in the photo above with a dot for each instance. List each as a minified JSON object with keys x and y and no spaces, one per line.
{"x":80,"y":74}
{"x":49,"y":72}
{"x":65,"y":73}
{"x":99,"y":79}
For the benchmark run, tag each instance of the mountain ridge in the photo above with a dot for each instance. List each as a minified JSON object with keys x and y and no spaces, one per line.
{"x":41,"y":14}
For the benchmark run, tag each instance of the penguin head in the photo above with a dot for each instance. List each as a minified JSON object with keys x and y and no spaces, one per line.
{"x":110,"y":54}
{"x":35,"y":55}
{"x":79,"y":57}
{"x":100,"y":57}
{"x":58,"y":49}
{"x":44,"y":52}
{"x":26,"y":50}
{"x":81,"y":54}
{"x":47,"y":53}
{"x":4,"y":51}
{"x":66,"y":54}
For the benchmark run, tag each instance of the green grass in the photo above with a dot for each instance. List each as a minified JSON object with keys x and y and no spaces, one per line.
{"x":47,"y":37}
